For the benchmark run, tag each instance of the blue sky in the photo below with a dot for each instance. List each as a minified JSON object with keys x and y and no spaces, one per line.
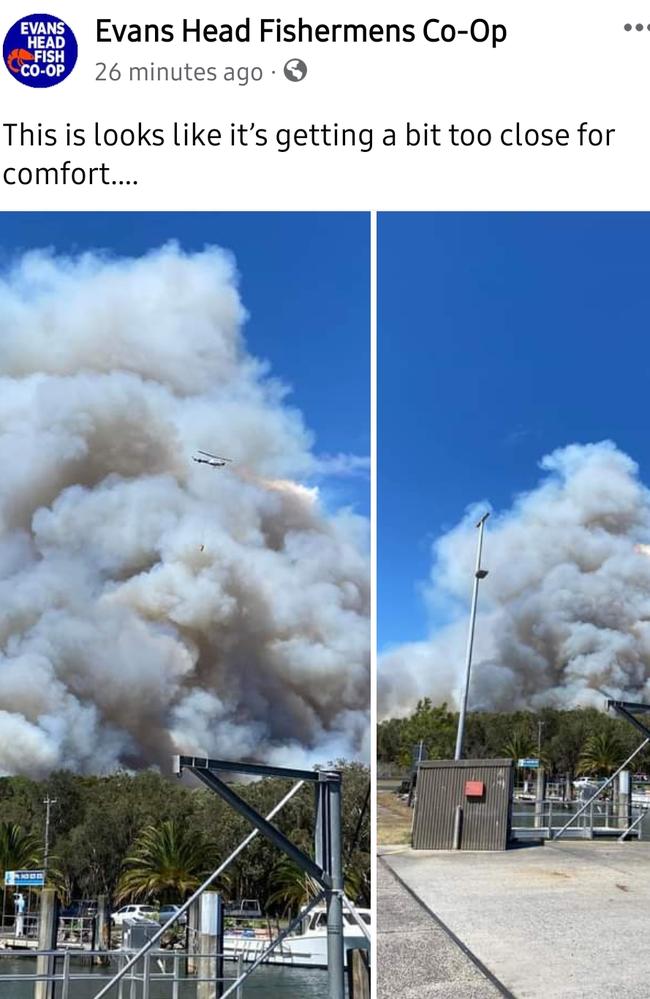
{"x":304,"y":281}
{"x":501,"y":337}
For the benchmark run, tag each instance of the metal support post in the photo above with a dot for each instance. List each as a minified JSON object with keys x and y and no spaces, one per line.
{"x":540,"y":795}
{"x":321,"y":826}
{"x":479,"y":574}
{"x":335,"y":946}
{"x":48,"y":802}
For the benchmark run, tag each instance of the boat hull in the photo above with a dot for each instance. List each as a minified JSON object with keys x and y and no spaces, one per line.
{"x":308,"y":951}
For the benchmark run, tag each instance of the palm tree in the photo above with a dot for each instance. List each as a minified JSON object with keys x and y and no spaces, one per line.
{"x":293,"y":888}
{"x":520,"y":745}
{"x":18,"y":849}
{"x":168,"y":862}
{"x":602,"y":753}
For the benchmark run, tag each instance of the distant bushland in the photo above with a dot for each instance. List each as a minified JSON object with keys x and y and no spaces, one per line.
{"x":122,"y":834}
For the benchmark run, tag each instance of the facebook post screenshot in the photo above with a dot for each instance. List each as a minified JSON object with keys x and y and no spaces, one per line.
{"x":325,"y":501}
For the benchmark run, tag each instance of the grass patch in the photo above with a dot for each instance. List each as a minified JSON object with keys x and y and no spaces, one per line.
{"x":393,"y":820}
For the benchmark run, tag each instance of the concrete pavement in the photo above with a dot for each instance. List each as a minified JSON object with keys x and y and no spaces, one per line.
{"x":416,"y":959}
{"x":562,"y":921}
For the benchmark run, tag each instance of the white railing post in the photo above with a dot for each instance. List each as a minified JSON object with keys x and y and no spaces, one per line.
{"x":240,"y":965}
{"x":146,"y":966}
{"x":65,"y":991}
{"x":176,"y":985}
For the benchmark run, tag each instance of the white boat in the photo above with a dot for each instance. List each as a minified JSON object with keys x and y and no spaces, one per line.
{"x":307,"y":948}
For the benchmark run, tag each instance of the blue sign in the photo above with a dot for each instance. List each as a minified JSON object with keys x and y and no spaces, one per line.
{"x":528,"y":764}
{"x":24,"y":879}
{"x":40,"y":50}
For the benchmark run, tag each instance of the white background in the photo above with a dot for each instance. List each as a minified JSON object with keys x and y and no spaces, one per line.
{"x":562,"y":63}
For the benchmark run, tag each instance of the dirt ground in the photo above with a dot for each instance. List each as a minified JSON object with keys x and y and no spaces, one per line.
{"x":393,"y":819}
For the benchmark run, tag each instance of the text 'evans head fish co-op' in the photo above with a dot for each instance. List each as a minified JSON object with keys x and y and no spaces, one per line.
{"x":40,"y":50}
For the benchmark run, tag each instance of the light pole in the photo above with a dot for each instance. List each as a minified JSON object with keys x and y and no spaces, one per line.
{"x":479,"y":574}
{"x":48,"y":802}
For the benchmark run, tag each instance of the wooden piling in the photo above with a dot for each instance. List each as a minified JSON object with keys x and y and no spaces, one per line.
{"x":47,"y":934}
{"x":192,"y":937}
{"x":623,"y":800}
{"x":358,"y":974}
{"x":102,"y":933}
{"x":210,"y":963}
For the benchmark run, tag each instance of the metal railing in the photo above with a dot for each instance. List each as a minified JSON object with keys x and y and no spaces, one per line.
{"x":546,"y":818}
{"x":72,"y":931}
{"x":159,"y":966}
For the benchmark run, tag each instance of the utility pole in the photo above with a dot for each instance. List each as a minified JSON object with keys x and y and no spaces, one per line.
{"x":48,"y":802}
{"x":540,"y":726}
{"x":479,"y":574}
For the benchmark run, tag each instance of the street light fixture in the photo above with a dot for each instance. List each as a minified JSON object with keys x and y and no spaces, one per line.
{"x":479,"y":574}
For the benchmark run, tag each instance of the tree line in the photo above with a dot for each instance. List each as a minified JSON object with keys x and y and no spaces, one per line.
{"x":145,"y":837}
{"x":577,"y":741}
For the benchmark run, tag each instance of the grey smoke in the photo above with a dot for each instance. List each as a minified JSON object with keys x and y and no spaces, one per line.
{"x":565,"y":609}
{"x":149,"y":604}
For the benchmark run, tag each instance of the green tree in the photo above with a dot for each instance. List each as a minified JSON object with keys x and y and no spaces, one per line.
{"x":520,"y":745}
{"x":602,"y":753}
{"x":435,"y":726}
{"x":389,"y":738}
{"x":167,"y":863}
{"x":292,"y":887}
{"x":19,"y":849}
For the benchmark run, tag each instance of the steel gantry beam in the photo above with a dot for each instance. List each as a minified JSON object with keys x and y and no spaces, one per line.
{"x":326,"y":869}
{"x":268,"y":830}
{"x":230,"y":766}
{"x":627,"y":710}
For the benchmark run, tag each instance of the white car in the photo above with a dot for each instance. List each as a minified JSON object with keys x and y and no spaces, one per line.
{"x":137,"y":912}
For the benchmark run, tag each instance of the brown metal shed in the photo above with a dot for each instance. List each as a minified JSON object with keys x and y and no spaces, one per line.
{"x":465,"y":800}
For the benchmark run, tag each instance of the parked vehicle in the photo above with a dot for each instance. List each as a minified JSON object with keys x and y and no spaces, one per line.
{"x":137,"y":912}
{"x":166,"y":912}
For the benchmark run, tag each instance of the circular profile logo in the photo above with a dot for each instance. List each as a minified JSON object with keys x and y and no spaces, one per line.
{"x":40,"y":50}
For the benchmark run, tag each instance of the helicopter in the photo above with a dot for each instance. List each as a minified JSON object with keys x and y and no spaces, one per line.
{"x":215,"y":460}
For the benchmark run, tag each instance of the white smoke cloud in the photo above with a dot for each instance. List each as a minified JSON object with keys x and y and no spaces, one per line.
{"x":565,"y":609}
{"x":150,"y":605}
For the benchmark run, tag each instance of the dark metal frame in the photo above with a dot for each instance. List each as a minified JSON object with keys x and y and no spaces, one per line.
{"x":626,"y":708}
{"x":327,"y":866}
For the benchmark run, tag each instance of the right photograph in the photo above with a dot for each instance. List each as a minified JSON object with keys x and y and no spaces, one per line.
{"x":513,"y":539}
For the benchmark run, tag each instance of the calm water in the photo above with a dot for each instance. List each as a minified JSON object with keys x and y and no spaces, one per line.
{"x":602,"y":813}
{"x":267,"y":982}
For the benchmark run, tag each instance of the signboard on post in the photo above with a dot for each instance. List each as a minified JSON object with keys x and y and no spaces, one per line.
{"x":528,"y":764}
{"x":24,"y":879}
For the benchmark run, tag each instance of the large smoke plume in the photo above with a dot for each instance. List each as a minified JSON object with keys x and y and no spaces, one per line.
{"x":149,"y":604}
{"x":565,"y":610}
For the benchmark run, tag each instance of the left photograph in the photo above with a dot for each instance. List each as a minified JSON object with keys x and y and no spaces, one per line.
{"x":185,"y":593}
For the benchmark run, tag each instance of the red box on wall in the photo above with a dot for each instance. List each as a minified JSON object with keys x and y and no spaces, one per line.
{"x":474,"y":788}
